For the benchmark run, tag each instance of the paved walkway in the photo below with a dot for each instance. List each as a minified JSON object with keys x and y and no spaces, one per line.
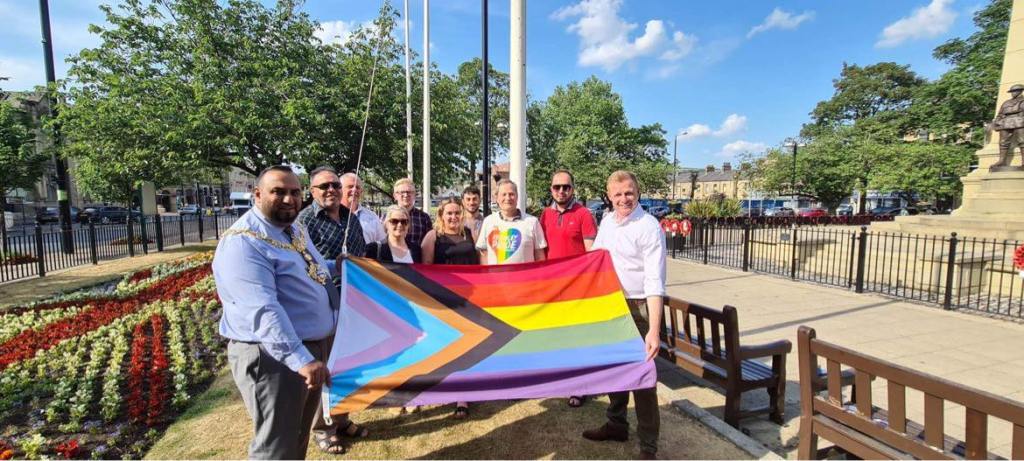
{"x":32,"y":289}
{"x":982,"y":352}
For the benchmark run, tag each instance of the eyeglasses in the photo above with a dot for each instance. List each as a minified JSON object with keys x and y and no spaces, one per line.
{"x":561,"y":187}
{"x":405,"y":192}
{"x":396,"y":222}
{"x":328,"y":185}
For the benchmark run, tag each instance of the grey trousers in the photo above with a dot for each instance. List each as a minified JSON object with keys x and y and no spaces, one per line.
{"x":646,"y":400}
{"x":276,"y":399}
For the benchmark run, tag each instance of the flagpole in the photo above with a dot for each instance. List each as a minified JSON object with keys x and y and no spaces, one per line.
{"x":408,"y":97}
{"x":426,"y":106}
{"x":517,"y":99}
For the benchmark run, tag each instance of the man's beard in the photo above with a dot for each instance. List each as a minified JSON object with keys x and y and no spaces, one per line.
{"x":563,"y":203}
{"x":284,"y":215}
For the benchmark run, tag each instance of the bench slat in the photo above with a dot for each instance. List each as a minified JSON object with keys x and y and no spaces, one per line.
{"x":869,"y":427}
{"x":835,"y":386}
{"x":854,"y":442}
{"x":977,"y":434}
{"x":716,"y":339}
{"x":897,"y":406}
{"x":934,"y":423}
{"x":863,"y":389}
{"x":1017,"y":450}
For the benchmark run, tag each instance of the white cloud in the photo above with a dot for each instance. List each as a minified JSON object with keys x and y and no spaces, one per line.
{"x":338,"y":32}
{"x":732,"y":124}
{"x":735,"y":148}
{"x":23,"y":74}
{"x":605,"y":37}
{"x":925,"y":22}
{"x":779,"y":19}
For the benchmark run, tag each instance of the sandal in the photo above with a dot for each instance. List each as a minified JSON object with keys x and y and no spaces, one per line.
{"x":576,"y":401}
{"x":329,"y":443}
{"x":354,"y":430}
{"x":461,"y":412}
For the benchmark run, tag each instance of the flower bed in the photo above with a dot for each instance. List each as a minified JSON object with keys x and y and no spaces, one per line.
{"x":13,"y":259}
{"x":100,"y":376}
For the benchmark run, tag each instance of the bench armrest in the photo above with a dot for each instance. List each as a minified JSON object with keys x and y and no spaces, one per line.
{"x":780,"y":347}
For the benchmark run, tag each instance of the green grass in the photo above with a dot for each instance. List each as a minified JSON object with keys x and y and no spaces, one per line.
{"x":216,"y":426}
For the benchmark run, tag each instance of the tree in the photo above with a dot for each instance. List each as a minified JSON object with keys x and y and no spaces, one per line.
{"x":873,"y":99}
{"x":21,"y":164}
{"x":825,"y":171}
{"x":955,"y":107}
{"x":929,"y":170}
{"x":582,"y":127}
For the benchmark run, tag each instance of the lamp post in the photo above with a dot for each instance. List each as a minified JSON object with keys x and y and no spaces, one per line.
{"x":794,"y":143}
{"x":675,"y":161}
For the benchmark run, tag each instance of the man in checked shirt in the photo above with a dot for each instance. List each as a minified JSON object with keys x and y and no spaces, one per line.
{"x":419,"y":222}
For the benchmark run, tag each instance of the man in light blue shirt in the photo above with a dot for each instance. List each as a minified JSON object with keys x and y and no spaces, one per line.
{"x":280,"y":312}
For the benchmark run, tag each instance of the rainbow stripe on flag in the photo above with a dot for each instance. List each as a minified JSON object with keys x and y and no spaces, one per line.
{"x":431,"y":334}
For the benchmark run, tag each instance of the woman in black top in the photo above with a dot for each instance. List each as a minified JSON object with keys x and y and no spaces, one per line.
{"x":394,"y":249}
{"x":451,"y":242}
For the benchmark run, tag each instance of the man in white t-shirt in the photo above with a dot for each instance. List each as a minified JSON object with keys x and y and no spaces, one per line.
{"x":637,"y":247}
{"x":509,"y":236}
{"x":351,"y":194}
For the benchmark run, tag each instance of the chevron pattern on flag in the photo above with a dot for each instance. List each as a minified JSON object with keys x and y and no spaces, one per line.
{"x":431,"y":334}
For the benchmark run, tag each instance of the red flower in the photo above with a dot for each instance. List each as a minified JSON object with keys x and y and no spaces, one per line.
{"x":1018,"y":258}
{"x":157,"y":373}
{"x":68,"y":449}
{"x":136,"y":373}
{"x":105,"y":311}
{"x":141,"y":275}
{"x":7,"y":454}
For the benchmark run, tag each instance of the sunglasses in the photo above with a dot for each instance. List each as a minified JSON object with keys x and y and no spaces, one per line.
{"x":328,"y":185}
{"x":395,"y":222}
{"x":561,"y":187}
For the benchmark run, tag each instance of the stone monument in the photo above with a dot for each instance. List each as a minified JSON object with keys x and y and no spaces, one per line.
{"x":993,"y":194}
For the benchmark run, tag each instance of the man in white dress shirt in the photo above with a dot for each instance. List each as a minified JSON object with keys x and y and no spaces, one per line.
{"x":637,"y":246}
{"x":351,"y":194}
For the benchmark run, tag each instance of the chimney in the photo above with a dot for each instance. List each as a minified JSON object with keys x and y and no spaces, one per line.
{"x":726,"y":166}
{"x":709,"y":168}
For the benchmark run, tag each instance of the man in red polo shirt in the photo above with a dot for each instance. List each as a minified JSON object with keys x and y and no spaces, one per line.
{"x":568,"y":227}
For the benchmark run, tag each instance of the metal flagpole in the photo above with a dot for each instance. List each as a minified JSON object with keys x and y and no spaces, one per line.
{"x":426,"y":106}
{"x":486,"y":122}
{"x":517,"y":99}
{"x":408,"y":97}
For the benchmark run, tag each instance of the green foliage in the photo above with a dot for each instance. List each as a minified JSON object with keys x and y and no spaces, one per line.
{"x":729,"y":207}
{"x":929,"y":169}
{"x":582,"y":127}
{"x":873,"y":99}
{"x":701,"y":209}
{"x":21,"y":164}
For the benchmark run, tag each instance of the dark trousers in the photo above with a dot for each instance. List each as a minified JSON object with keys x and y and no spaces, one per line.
{"x":276,"y":399}
{"x":645,"y":400}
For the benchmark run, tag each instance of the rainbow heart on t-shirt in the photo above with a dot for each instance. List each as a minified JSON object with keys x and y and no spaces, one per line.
{"x":504,"y":242}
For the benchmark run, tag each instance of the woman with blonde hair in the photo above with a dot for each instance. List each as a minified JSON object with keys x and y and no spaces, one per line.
{"x":451,"y":242}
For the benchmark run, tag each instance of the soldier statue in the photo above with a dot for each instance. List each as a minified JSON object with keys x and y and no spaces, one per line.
{"x":1010,"y":124}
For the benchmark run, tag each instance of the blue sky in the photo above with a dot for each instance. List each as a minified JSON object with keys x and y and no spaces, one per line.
{"x":737,"y":75}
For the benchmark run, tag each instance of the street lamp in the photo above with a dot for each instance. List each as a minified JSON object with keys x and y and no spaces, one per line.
{"x":675,"y":161}
{"x":794,"y":143}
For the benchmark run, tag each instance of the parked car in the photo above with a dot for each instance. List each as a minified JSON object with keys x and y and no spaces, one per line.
{"x":813,"y":212}
{"x":753,"y":212}
{"x":779,"y":212}
{"x":51,"y":215}
{"x":188,"y":209}
{"x":112,"y":214}
{"x":597,"y":210}
{"x":893,"y":211}
{"x":658,"y":211}
{"x":844,"y":210}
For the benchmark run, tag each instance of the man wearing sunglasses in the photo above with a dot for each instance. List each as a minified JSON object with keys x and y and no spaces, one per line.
{"x":568,"y":227}
{"x":326,"y":218}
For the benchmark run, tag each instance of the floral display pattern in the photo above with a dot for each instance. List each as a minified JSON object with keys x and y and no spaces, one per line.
{"x":101,"y":373}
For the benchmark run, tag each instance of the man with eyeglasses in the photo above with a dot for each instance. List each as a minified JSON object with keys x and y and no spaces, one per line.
{"x":419,"y":222}
{"x":325,"y":220}
{"x":351,"y":194}
{"x":569,"y":229}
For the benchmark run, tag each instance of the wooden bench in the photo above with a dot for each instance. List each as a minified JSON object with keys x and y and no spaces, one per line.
{"x":870,"y":432}
{"x":706,"y":343}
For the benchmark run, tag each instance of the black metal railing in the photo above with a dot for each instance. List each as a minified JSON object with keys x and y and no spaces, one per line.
{"x":34,"y":252}
{"x":951,"y":271}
